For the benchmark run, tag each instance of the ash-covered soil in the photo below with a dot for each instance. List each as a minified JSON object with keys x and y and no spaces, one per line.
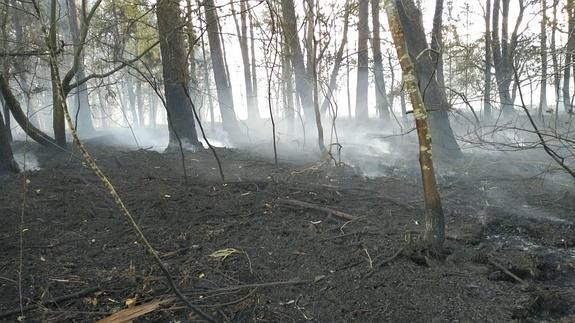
{"x":510,"y":243}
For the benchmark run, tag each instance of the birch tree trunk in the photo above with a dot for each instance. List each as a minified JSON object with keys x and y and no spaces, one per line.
{"x":434,"y":235}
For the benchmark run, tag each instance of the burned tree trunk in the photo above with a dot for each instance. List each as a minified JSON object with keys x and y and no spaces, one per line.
{"x":303,"y":84}
{"x":503,"y":49}
{"x":434,"y":234}
{"x":7,"y":162}
{"x":361,"y":108}
{"x":569,"y":57}
{"x":176,"y":78}
{"x":434,"y":95}
{"x":225,"y":98}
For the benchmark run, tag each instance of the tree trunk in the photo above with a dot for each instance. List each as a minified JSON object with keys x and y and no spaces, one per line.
{"x":381,"y":103}
{"x":543,"y":93}
{"x":20,"y":117}
{"x":435,"y":97}
{"x":434,"y":235}
{"x":555,"y":60}
{"x":287,"y":80}
{"x":304,"y":86}
{"x":225,"y":98}
{"x":253,"y":65}
{"x":175,"y":72}
{"x":82,"y":109}
{"x":488,"y":65}
{"x":361,"y":98}
{"x":7,"y":162}
{"x":569,"y":56}
{"x":58,"y":121}
{"x":437,"y":42}
{"x":503,"y":50}
{"x":332,"y":86}
{"x":242,"y":31}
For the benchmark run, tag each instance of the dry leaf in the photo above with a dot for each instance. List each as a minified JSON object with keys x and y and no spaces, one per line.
{"x":131,"y":313}
{"x":224,"y":253}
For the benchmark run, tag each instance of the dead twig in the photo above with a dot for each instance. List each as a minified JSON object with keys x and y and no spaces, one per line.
{"x":62,"y":298}
{"x":338,"y":214}
{"x":506,"y":271}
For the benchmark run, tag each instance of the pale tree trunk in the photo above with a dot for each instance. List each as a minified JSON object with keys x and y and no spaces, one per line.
{"x":225,"y":98}
{"x":82,"y":107}
{"x":253,"y":65}
{"x":176,"y":79}
{"x":435,"y":97}
{"x":488,"y":65}
{"x":140,"y":103}
{"x":381,"y":103}
{"x":129,"y":86}
{"x":434,"y":235}
{"x":242,"y":31}
{"x":361,"y":98}
{"x":153,"y":109}
{"x":543,"y":93}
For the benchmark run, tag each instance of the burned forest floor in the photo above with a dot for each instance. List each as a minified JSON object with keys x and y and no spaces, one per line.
{"x":305,"y":241}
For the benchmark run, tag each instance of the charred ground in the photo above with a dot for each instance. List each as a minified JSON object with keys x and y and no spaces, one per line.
{"x":291,"y":263}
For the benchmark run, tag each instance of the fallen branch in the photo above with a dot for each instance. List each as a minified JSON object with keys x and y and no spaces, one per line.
{"x":62,"y":298}
{"x":506,"y":271}
{"x":307,"y":205}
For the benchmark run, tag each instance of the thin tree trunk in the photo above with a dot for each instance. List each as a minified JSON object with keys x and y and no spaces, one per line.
{"x":304,"y":86}
{"x":434,"y":235}
{"x":569,"y":56}
{"x":437,"y":42}
{"x":253,"y":65}
{"x":543,"y":93}
{"x":488,"y":65}
{"x":82,"y":109}
{"x":332,"y":86}
{"x":381,"y":103}
{"x":361,"y":98}
{"x":242,"y":31}
{"x":58,"y":121}
{"x":555,"y":60}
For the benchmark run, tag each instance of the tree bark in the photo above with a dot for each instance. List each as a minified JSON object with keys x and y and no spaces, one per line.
{"x":361,"y":98}
{"x":543,"y":39}
{"x":82,"y":110}
{"x":242,"y":31}
{"x":304,"y":86}
{"x":7,"y":162}
{"x":488,"y":64}
{"x":20,"y":117}
{"x":434,"y":95}
{"x":569,"y":56}
{"x":434,"y":235}
{"x":225,"y":98}
{"x":381,"y":103}
{"x":176,"y":77}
